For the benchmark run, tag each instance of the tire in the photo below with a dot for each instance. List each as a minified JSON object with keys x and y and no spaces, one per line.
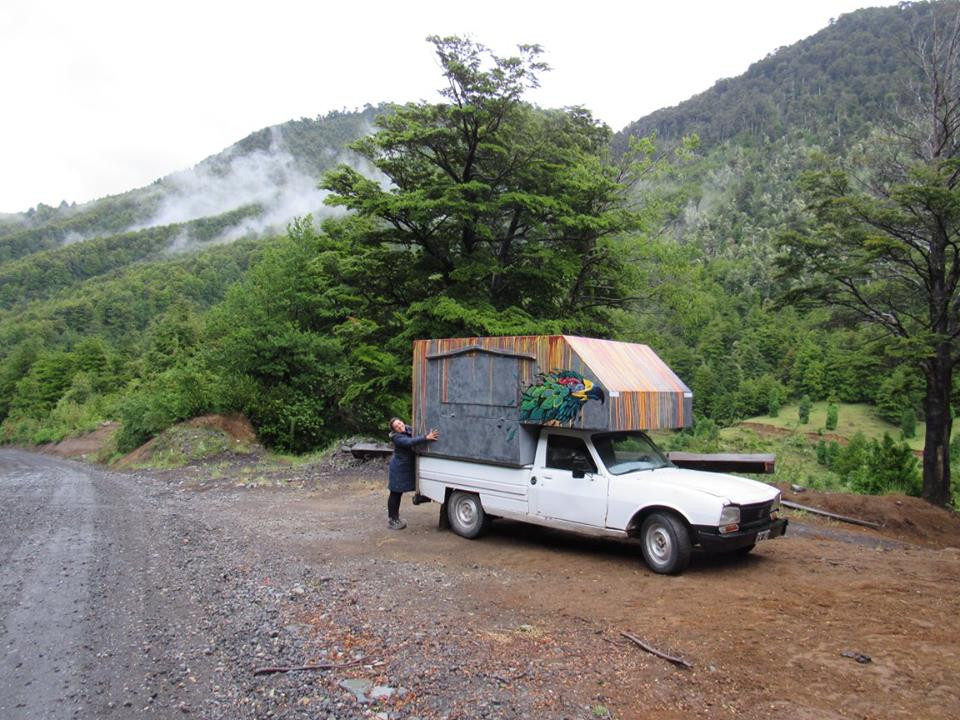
{"x":665,"y":543}
{"x":466,"y":515}
{"x":745,"y":550}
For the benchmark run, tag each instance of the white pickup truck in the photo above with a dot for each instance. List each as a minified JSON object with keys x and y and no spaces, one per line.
{"x":615,"y":484}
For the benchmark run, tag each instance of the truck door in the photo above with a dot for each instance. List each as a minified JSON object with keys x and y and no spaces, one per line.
{"x":568,"y":486}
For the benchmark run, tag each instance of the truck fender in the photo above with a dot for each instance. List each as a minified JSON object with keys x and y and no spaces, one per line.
{"x":641,"y":514}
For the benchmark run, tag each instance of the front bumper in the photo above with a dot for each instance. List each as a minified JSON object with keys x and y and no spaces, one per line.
{"x":710,"y":540}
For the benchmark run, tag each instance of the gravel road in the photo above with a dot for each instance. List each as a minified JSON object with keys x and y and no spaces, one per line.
{"x":158,"y":594}
{"x":107,"y":595}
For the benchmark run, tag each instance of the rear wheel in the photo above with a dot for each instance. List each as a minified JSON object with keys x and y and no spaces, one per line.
{"x":466,"y":515}
{"x":666,"y":543}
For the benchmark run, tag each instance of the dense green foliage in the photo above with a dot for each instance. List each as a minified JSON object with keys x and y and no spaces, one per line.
{"x":908,"y":423}
{"x":883,"y":248}
{"x":44,"y":227}
{"x":834,"y":85}
{"x":42,"y":274}
{"x":498,"y":218}
{"x":67,"y":361}
{"x":872,"y":466}
{"x":833,"y":414}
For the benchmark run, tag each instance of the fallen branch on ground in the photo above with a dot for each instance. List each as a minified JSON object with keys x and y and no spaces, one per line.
{"x":842,"y":518}
{"x":321,"y":666}
{"x":652,"y":650}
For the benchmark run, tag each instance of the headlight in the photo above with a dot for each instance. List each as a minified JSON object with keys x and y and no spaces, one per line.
{"x":729,"y":519}
{"x":730,"y":515}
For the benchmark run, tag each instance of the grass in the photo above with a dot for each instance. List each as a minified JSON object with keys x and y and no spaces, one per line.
{"x":796,"y":454}
{"x":851,"y":418}
{"x":795,"y":450}
{"x":796,"y":458}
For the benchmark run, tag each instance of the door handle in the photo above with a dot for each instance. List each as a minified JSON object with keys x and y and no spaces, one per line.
{"x":548,"y":477}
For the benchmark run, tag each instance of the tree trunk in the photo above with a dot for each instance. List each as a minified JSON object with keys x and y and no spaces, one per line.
{"x":936,"y":447}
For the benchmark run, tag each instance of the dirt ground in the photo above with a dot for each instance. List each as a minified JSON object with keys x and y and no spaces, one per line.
{"x":84,"y":446}
{"x":527,"y":622}
{"x":543,"y":611}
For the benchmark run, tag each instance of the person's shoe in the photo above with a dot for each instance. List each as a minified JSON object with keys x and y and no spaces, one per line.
{"x":396,"y":524}
{"x":419,"y":499}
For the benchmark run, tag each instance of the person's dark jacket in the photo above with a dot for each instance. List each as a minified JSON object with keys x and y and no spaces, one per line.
{"x":403,"y":464}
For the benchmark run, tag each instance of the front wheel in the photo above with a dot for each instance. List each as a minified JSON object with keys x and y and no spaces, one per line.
{"x":666,"y":543}
{"x":466,"y":515}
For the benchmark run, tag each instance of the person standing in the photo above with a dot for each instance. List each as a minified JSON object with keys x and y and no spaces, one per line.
{"x":403,"y":467}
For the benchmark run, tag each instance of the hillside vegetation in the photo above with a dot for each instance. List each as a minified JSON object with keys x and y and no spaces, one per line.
{"x":832,"y":86}
{"x":150,"y":309}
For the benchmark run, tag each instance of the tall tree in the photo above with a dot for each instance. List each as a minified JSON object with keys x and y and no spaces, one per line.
{"x":886,"y":246}
{"x":496,"y":215}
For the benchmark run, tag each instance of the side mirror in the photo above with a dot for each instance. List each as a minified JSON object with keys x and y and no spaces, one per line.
{"x":580,"y":466}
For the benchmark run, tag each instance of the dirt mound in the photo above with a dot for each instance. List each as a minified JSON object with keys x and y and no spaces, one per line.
{"x":236,"y":426}
{"x":196,"y":439}
{"x":906,"y":518}
{"x":139,"y":456}
{"x":83,"y":446}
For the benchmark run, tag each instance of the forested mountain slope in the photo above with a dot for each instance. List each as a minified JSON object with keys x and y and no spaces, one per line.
{"x":831,"y":86}
{"x":257,"y":185}
{"x":135,"y":307}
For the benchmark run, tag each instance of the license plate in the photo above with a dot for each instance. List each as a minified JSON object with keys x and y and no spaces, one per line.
{"x":763,"y":535}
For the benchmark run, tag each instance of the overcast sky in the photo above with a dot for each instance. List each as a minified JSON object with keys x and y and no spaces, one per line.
{"x":102,"y":96}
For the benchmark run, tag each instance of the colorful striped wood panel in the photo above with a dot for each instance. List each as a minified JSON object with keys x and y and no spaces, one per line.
{"x":641,"y":391}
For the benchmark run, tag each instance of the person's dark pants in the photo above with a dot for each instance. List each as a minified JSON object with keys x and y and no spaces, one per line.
{"x":393,"y":504}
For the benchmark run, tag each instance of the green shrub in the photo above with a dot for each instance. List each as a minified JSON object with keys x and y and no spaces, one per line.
{"x":851,"y":457}
{"x":704,"y":436}
{"x":773,"y":403}
{"x":19,"y":430}
{"x":902,"y":388}
{"x":833,"y":450}
{"x":803,"y":409}
{"x":832,"y":413}
{"x":290,"y":420}
{"x":889,"y":467}
{"x":908,"y":423}
{"x":172,"y":396}
{"x":822,"y":452}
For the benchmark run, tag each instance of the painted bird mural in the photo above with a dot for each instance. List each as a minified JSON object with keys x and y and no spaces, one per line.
{"x":557,"y":397}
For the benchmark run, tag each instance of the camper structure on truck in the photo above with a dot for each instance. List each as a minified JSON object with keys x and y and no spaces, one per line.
{"x":550,"y":429}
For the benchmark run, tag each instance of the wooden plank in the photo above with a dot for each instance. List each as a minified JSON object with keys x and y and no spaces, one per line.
{"x":725,"y":462}
{"x":834,"y":516}
{"x":362,"y":451}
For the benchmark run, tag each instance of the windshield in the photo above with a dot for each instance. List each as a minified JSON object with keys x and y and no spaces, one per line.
{"x":628,"y":451}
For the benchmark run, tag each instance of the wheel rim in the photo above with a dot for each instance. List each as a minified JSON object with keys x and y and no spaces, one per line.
{"x":466,"y":512}
{"x":659,"y":544}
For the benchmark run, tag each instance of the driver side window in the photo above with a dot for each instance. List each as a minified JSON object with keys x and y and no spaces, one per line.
{"x":569,"y":453}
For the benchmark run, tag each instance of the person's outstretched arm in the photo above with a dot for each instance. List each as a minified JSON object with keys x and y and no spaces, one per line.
{"x":403,"y":440}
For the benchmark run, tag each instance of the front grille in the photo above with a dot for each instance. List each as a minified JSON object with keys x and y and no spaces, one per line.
{"x":755,"y":514}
